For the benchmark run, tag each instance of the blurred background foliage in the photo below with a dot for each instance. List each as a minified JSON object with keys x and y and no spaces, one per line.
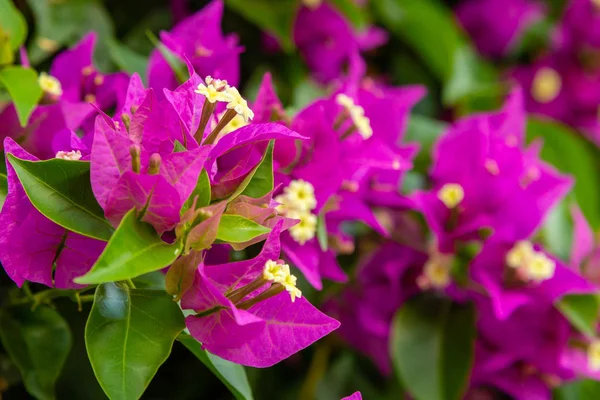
{"x":426,"y":47}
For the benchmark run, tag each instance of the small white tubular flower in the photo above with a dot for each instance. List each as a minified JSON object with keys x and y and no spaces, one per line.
{"x":220,"y":84}
{"x":237,"y":103}
{"x":299,"y":195}
{"x":546,"y":85}
{"x":437,"y":273}
{"x":539,"y":268}
{"x":289,"y":283}
{"x":274,"y":272}
{"x":304,"y":230}
{"x":593,"y":355}
{"x":214,"y":90}
{"x":69,"y":155}
{"x":451,"y":194}
{"x":50,"y":84}
{"x":344,"y":101}
{"x":520,"y":254}
{"x":357,"y":114}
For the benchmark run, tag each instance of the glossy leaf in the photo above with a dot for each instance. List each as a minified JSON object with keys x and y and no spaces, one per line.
{"x":351,"y":10}
{"x":134,"y":249}
{"x":424,"y":131}
{"x":266,"y":171}
{"x":432,"y":345}
{"x":578,"y":390}
{"x":129,"y":334}
{"x":236,"y":229}
{"x":23,"y":88}
{"x":582,"y":311}
{"x":277,"y":17}
{"x":63,"y":23}
{"x":12,"y":24}
{"x":571,"y":154}
{"x":261,"y":181}
{"x":38,"y":341}
{"x":441,"y":44}
{"x":322,"y":232}
{"x":127,"y":59}
{"x":61,"y":190}
{"x":231,"y":374}
{"x":202,"y":191}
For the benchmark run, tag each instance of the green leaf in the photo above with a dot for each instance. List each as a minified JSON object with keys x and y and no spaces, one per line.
{"x":134,"y":249}
{"x":174,"y":62}
{"x":322,"y":231}
{"x":582,"y":311}
{"x":571,"y":154}
{"x":237,"y":229}
{"x":578,"y":390}
{"x":12,"y":24}
{"x":61,"y":190}
{"x":24,"y":89}
{"x":441,"y":44}
{"x":60,"y":23}
{"x":557,"y":222}
{"x":352,"y":11}
{"x":129,"y":334}
{"x":3,"y":189}
{"x":264,"y":181}
{"x":424,"y":131}
{"x":232,"y":375}
{"x":432,"y":347}
{"x":261,"y":181}
{"x":202,"y":190}
{"x":275,"y":17}
{"x":127,"y":59}
{"x":38,"y":341}
{"x":178,"y":147}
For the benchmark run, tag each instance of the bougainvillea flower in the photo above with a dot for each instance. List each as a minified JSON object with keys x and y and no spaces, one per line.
{"x":386,"y":278}
{"x":35,"y":249}
{"x":81,"y":81}
{"x":245,"y":318}
{"x":459,"y":206}
{"x":353,"y":396}
{"x":126,"y":174}
{"x":517,"y":274}
{"x":327,"y":41}
{"x":497,"y":25}
{"x":200,"y":39}
{"x":578,"y":29}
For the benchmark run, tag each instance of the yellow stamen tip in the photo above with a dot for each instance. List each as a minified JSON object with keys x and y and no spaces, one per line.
{"x":50,"y":84}
{"x":69,"y":155}
{"x":546,"y":85}
{"x":451,"y":194}
{"x":593,"y":355}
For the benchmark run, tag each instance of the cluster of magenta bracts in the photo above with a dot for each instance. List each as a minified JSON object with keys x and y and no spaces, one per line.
{"x":338,"y":160}
{"x":563,"y":81}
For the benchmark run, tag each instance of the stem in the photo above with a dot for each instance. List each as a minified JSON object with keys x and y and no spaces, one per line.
{"x":316,"y":371}
{"x":275,"y":289}
{"x":130,"y":283}
{"x":227,"y":117}
{"x":244,"y":291}
{"x":207,"y":110}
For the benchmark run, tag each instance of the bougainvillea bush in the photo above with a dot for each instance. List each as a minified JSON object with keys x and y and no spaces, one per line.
{"x":313,"y":199}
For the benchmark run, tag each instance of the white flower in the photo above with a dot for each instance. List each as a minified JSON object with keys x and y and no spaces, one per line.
{"x":50,"y":84}
{"x":69,"y":155}
{"x":237,"y":103}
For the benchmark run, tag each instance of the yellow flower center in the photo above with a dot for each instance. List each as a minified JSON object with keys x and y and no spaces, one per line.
{"x":304,"y":230}
{"x":520,"y":254}
{"x":437,"y":273}
{"x":451,"y":194}
{"x":50,"y":84}
{"x":546,"y":85}
{"x":593,"y":355}
{"x":236,"y":102}
{"x":280,"y":273}
{"x":540,"y":267}
{"x":357,"y":114}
